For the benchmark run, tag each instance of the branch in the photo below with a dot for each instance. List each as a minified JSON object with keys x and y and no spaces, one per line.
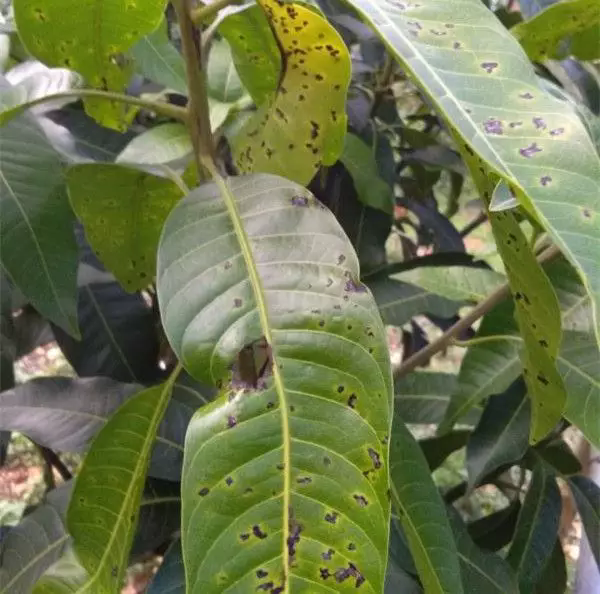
{"x":198,"y":110}
{"x":206,"y":12}
{"x":52,"y":460}
{"x":422,"y":357}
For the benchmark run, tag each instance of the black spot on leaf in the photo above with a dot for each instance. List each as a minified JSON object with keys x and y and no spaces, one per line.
{"x":299,"y":200}
{"x":352,"y":400}
{"x":261,"y":573}
{"x":489,"y":67}
{"x":258,"y":532}
{"x":545,"y":180}
{"x":361,"y":500}
{"x":204,"y":491}
{"x":229,"y":481}
{"x":327,"y":555}
{"x":530,"y":150}
{"x":331,"y":518}
{"x":375,"y":458}
{"x":324,"y":573}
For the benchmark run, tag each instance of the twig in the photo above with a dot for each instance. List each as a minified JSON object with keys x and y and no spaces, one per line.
{"x":206,"y":12}
{"x":421,"y":357}
{"x":198,"y":110}
{"x":478,"y":220}
{"x":52,"y":460}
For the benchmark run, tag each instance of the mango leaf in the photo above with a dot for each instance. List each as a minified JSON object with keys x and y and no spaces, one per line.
{"x":170,"y":577}
{"x":359,"y":160}
{"x":422,"y":515}
{"x":461,"y":283}
{"x":34,"y":544}
{"x":554,"y":576}
{"x":293,"y":457}
{"x":255,"y":52}
{"x":37,"y":247}
{"x":92,"y":40}
{"x":158,"y":60}
{"x":560,"y":457}
{"x":480,"y":81}
{"x":315,"y":80}
{"x":436,"y":449}
{"x":537,"y":528}
{"x":162,"y":144}
{"x":118,"y":457}
{"x":500,"y":436}
{"x":222,"y":78}
{"x":41,"y":84}
{"x":587,"y":497}
{"x":494,"y":531}
{"x":481,"y":571}
{"x":541,"y":36}
{"x":122,"y":211}
{"x":423,"y":396}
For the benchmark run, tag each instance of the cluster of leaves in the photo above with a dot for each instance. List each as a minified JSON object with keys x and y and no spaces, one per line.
{"x":233,"y":392}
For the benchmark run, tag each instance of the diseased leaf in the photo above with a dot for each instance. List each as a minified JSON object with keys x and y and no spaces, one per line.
{"x":118,"y":457}
{"x":91,"y":39}
{"x":501,"y":435}
{"x":44,"y":83}
{"x":422,"y":514}
{"x":537,"y":528}
{"x":315,"y":80}
{"x":587,"y":496}
{"x":37,"y":246}
{"x":481,"y":571}
{"x":158,"y":60}
{"x":170,"y":577}
{"x":480,"y":81}
{"x":255,"y":52}
{"x":359,"y":160}
{"x":163,"y":144}
{"x":294,"y":458}
{"x":542,"y":35}
{"x":122,"y":211}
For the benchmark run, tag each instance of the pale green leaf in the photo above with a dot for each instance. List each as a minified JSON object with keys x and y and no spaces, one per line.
{"x":162,"y":144}
{"x":222,"y":79}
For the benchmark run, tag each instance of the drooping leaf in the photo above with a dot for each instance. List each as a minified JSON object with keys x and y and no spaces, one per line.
{"x":118,"y":458}
{"x":170,"y":577}
{"x":51,"y":81}
{"x":537,"y":528}
{"x":494,"y":531}
{"x":480,"y":81}
{"x":553,"y":579}
{"x":501,"y":435}
{"x":90,"y":39}
{"x":560,"y":457}
{"x":541,"y":36}
{"x":255,"y":52}
{"x":222,"y":78}
{"x":481,"y":571}
{"x":34,"y":544}
{"x":587,"y":497}
{"x":436,"y":449}
{"x":359,"y":160}
{"x":122,"y":211}
{"x":158,"y":60}
{"x":422,"y":397}
{"x":162,"y":144}
{"x":422,"y":514}
{"x":315,"y":80}
{"x":297,"y":465}
{"x":37,"y":246}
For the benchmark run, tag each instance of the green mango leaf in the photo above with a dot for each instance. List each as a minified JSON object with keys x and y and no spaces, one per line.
{"x":255,"y":52}
{"x":92,"y":39}
{"x":587,"y":497}
{"x":41,"y":84}
{"x":422,"y":397}
{"x":108,"y":490}
{"x":122,"y":211}
{"x":436,"y":449}
{"x":481,"y":571}
{"x":541,"y":36}
{"x":537,"y":528}
{"x":480,"y":81}
{"x":34,"y":544}
{"x":158,"y":60}
{"x":359,"y":160}
{"x":315,"y":81}
{"x":37,"y":246}
{"x":501,"y":435}
{"x":461,"y":283}
{"x":585,"y":45}
{"x":285,"y":475}
{"x":162,"y":144}
{"x":422,"y":515}
{"x":222,"y":78}
{"x":494,"y":531}
{"x":554,"y":576}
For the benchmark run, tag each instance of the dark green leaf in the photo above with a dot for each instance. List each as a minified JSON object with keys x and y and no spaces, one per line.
{"x":276,"y":462}
{"x":560,"y":457}
{"x":587,"y":497}
{"x":481,"y":571}
{"x":537,"y":528}
{"x":554,"y":577}
{"x":422,"y":514}
{"x":437,"y":449}
{"x":495,"y":531}
{"x":501,"y":436}
{"x":36,"y":228}
{"x":170,"y":577}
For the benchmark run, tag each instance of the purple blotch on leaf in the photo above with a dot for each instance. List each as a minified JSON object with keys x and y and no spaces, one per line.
{"x":258,"y":532}
{"x":324,"y":573}
{"x":331,"y":517}
{"x":489,"y":67}
{"x":267,"y":586}
{"x":350,"y":571}
{"x":539,"y":123}
{"x":493,"y":126}
{"x":557,"y":131}
{"x":530,"y":150}
{"x":354,"y":286}
{"x":527,"y":95}
{"x":545,"y":180}
{"x":586,"y":213}
{"x":294,"y":537}
{"x":327,"y":555}
{"x":375,"y":458}
{"x":361,"y":500}
{"x":231,"y":421}
{"x":229,"y":481}
{"x":299,"y":200}
{"x":515,"y":124}
{"x":237,"y":302}
{"x":457,"y":45}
